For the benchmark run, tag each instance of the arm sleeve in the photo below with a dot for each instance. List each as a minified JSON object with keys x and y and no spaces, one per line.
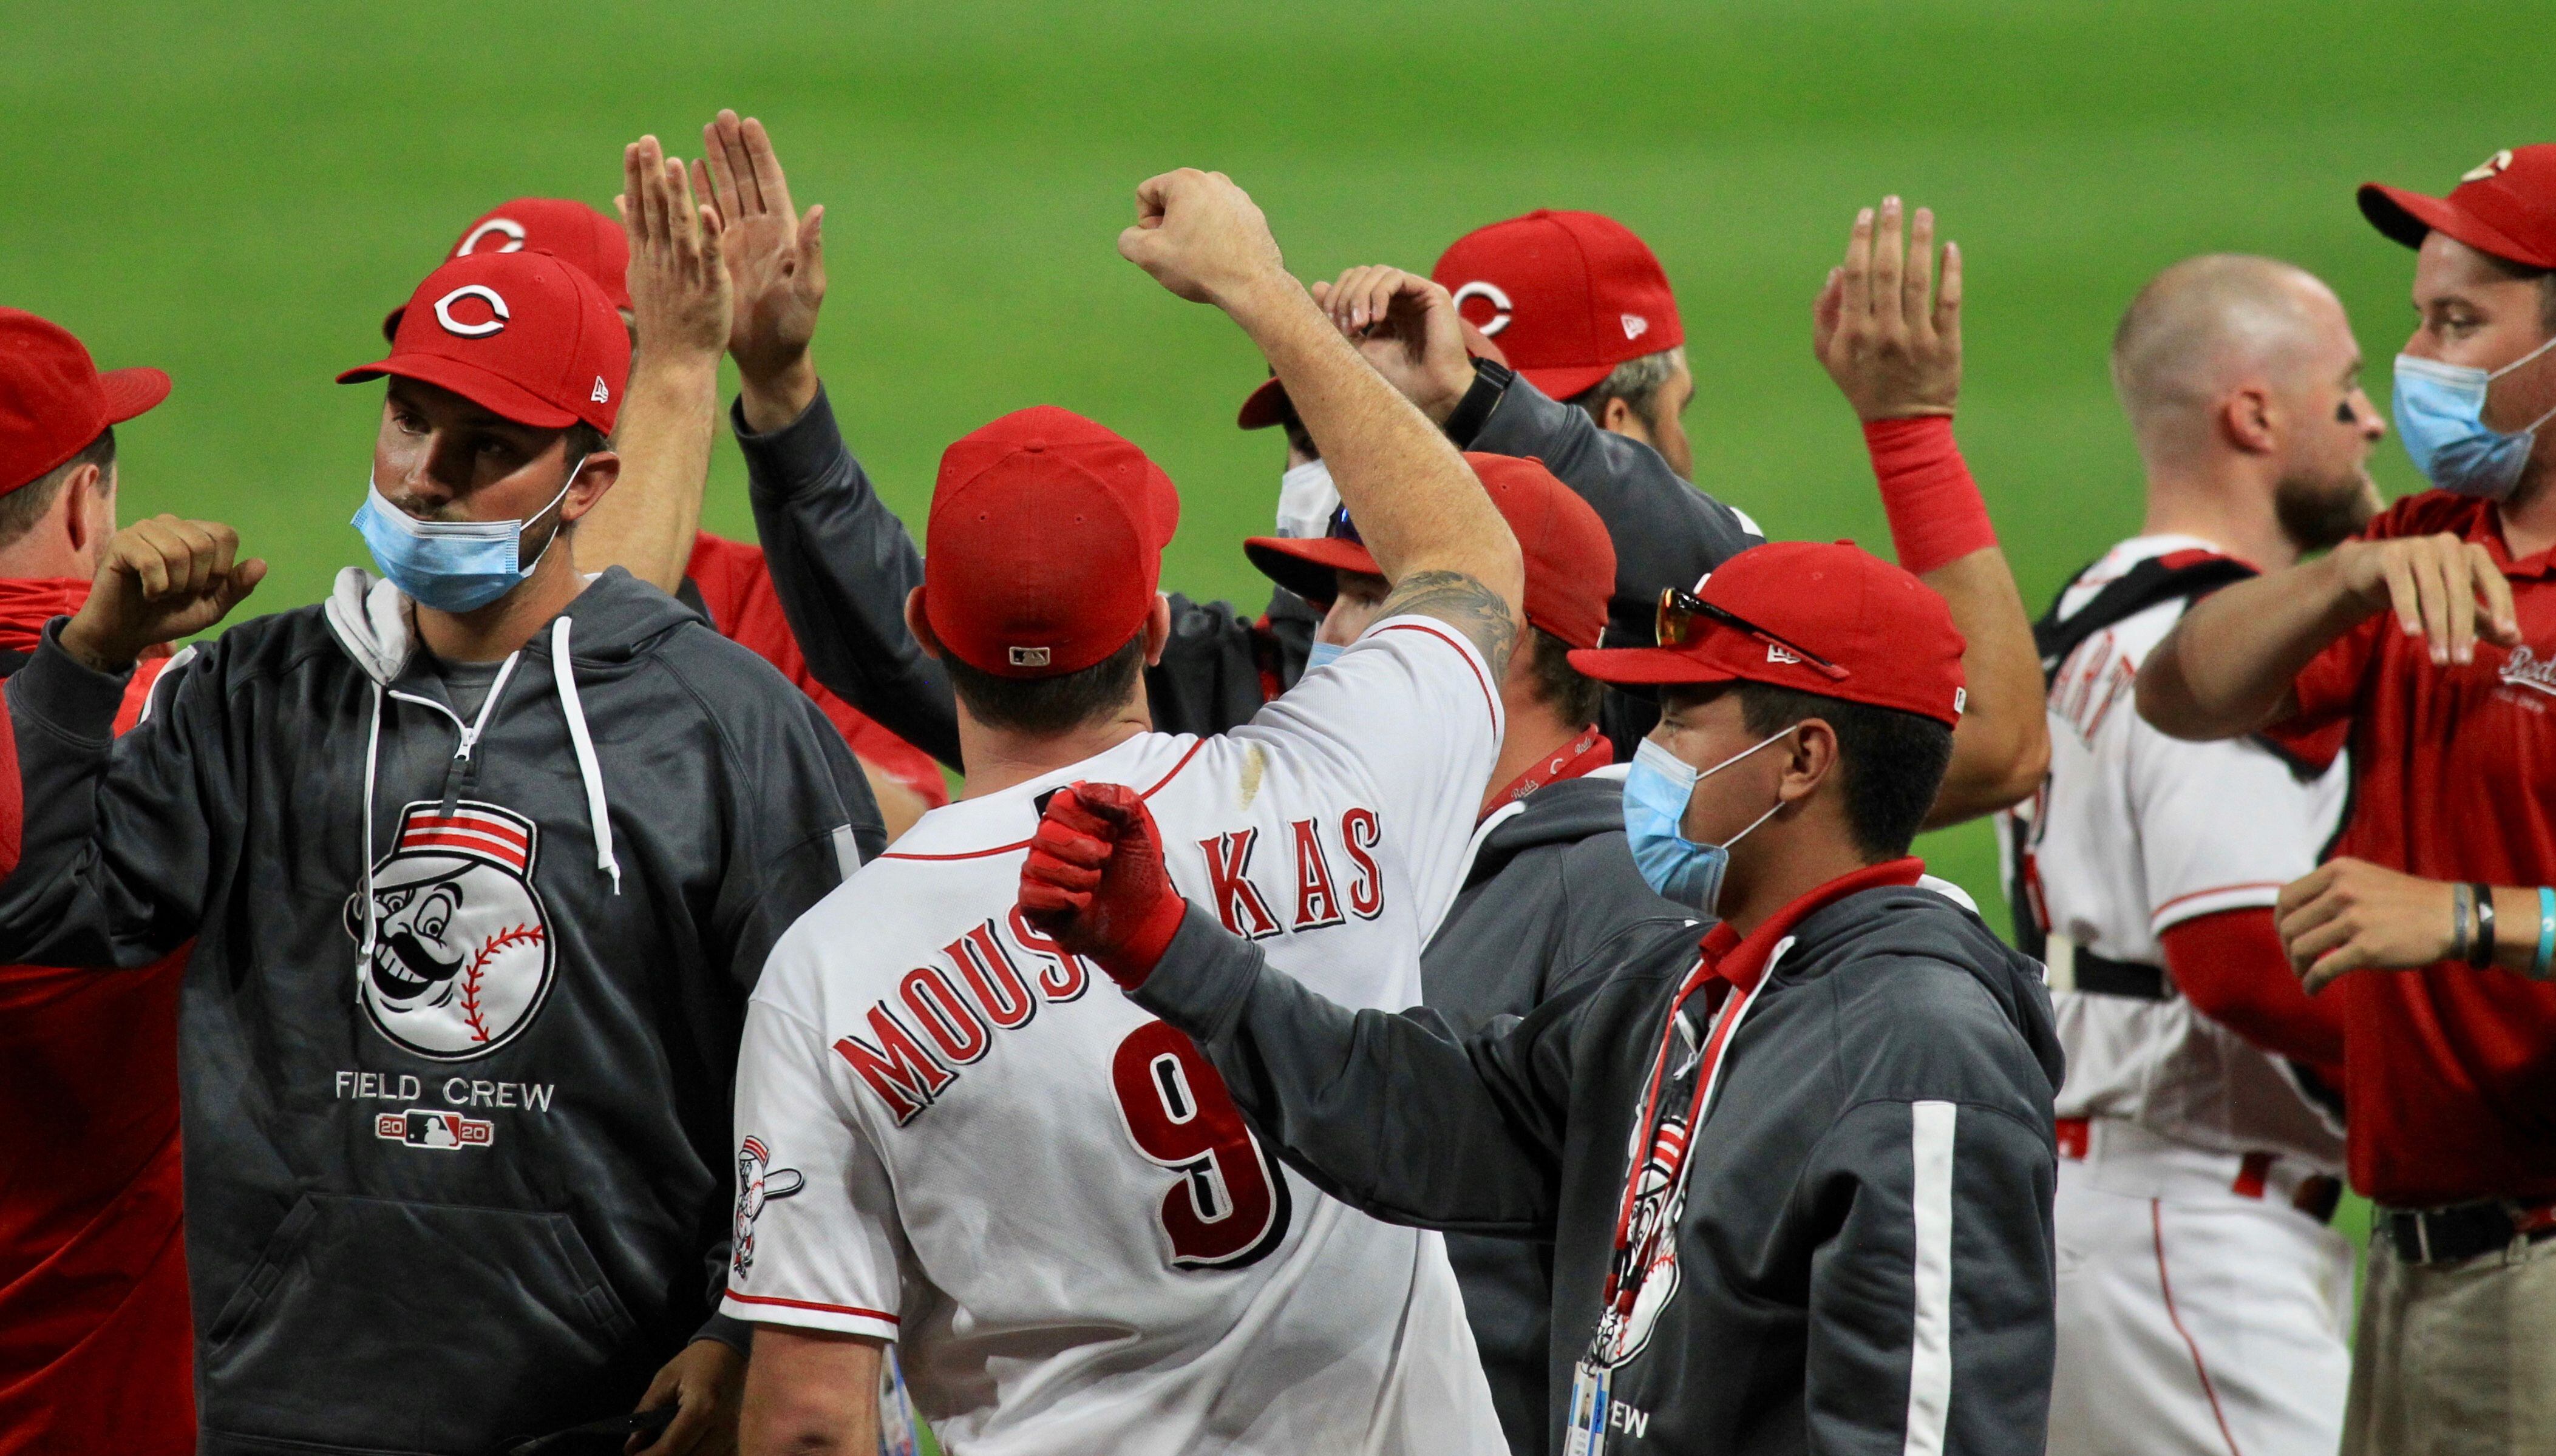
{"x":1409,"y":715}
{"x":2231,"y":967}
{"x":121,"y":838}
{"x":806,"y":821}
{"x":1667,"y":533}
{"x":816,"y":1240}
{"x":842,"y":564}
{"x":1930,"y":1324}
{"x":1391,"y":1114}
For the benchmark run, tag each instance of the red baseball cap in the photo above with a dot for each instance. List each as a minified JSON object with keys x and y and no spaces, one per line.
{"x":1570,"y":562}
{"x":2505,"y":205}
{"x":1043,"y":548}
{"x":1833,"y":620}
{"x":1569,"y":295}
{"x":581,"y":237}
{"x":1268,"y":405}
{"x":53,"y":399}
{"x":523,"y":334}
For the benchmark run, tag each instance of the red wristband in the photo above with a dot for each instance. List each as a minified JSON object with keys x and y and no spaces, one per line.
{"x":1129,"y":964}
{"x":1936,"y":513}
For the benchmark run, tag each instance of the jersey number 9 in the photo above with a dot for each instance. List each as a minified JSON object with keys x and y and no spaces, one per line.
{"x":1229,"y":1208}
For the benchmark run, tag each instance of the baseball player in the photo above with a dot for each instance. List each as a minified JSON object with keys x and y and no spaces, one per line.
{"x":2202,"y":1298}
{"x":97,"y":1358}
{"x":1042,"y":1195}
{"x":2427,"y":639}
{"x":479,"y":859}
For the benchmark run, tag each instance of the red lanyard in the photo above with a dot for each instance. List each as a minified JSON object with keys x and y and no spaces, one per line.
{"x":1586,"y":754}
{"x":1621,"y":1289}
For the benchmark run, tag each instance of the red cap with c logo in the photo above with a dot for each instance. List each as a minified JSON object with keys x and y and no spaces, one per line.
{"x":524,"y":335}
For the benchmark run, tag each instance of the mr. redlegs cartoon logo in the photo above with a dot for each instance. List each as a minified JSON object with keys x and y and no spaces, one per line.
{"x":461,"y":944}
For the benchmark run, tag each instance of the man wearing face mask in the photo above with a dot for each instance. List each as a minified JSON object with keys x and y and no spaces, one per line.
{"x":2202,"y":1298}
{"x":2429,"y":639}
{"x":1837,"y":1233}
{"x":480,"y":859}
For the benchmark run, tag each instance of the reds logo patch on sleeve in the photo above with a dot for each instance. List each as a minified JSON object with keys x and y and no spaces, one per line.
{"x":461,"y":955}
{"x":759,"y":1182}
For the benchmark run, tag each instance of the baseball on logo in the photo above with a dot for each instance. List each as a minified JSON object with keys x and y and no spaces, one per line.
{"x":459,"y":945}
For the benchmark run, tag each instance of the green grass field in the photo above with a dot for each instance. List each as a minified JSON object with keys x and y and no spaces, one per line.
{"x":236,"y":192}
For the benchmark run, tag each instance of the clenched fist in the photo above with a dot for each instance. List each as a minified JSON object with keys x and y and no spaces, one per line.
{"x":1095,"y":880}
{"x":1202,"y":237}
{"x":161,"y":579}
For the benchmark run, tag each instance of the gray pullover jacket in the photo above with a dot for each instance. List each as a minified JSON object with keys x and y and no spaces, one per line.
{"x":1552,"y":900}
{"x":460,"y":1025}
{"x":1862,"y":1258}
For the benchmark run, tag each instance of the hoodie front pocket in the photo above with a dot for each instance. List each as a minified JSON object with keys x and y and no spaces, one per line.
{"x":381,"y":1324}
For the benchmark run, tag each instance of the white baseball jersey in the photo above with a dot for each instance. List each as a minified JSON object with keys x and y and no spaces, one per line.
{"x":959,"y":1138}
{"x":2135,"y":833}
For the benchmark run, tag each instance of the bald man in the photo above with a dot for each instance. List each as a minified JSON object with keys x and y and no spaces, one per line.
{"x":2202,"y":1297}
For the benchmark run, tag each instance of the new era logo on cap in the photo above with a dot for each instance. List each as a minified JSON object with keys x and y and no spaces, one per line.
{"x":1635,"y":325}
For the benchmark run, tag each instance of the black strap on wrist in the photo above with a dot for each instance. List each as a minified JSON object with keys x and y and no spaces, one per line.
{"x":2459,"y":937}
{"x":2481,"y":949}
{"x":1473,"y":412}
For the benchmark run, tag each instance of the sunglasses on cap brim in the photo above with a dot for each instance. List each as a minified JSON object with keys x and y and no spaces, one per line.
{"x":1681,"y":611}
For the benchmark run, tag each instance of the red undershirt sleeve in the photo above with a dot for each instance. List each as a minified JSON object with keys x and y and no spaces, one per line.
{"x":2231,"y":966}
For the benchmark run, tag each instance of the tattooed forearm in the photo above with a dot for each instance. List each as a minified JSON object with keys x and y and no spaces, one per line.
{"x":1463,"y":603}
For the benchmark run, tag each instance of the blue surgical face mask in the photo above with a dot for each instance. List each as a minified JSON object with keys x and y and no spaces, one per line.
{"x":1322,"y":652}
{"x":452,"y":565}
{"x":2440,"y":415}
{"x":1656,"y":790}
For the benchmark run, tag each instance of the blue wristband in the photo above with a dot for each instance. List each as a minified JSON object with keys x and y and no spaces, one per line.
{"x":2546,"y":933}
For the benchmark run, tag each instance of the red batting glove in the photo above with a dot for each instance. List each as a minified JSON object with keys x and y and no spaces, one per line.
{"x":1095,"y":880}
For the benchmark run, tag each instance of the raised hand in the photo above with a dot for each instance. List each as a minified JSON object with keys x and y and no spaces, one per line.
{"x":1202,"y":237}
{"x":680,"y":299}
{"x":1886,"y":333}
{"x":776,"y":255}
{"x":2441,"y":587}
{"x":161,"y":579}
{"x":1095,"y":883}
{"x":1407,"y":326}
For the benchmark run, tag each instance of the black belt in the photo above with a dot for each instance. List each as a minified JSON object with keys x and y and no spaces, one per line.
{"x":2461,"y":1230}
{"x":2106,"y":976}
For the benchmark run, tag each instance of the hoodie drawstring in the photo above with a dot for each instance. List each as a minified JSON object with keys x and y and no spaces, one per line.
{"x":596,"y":811}
{"x":373,"y":759}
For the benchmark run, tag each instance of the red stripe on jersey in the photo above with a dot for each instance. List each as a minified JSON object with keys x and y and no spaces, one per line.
{"x":2217,"y":890}
{"x":1490,"y":700}
{"x":811,"y":1304}
{"x":977,"y":854}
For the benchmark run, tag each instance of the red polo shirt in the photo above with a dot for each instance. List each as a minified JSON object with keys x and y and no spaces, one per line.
{"x":2448,"y":1072}
{"x":96,"y":1345}
{"x":736,"y":586}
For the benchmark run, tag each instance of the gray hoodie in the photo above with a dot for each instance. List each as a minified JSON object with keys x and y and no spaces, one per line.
{"x":460,"y":1025}
{"x":1552,"y":899}
{"x":1860,"y":1254}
